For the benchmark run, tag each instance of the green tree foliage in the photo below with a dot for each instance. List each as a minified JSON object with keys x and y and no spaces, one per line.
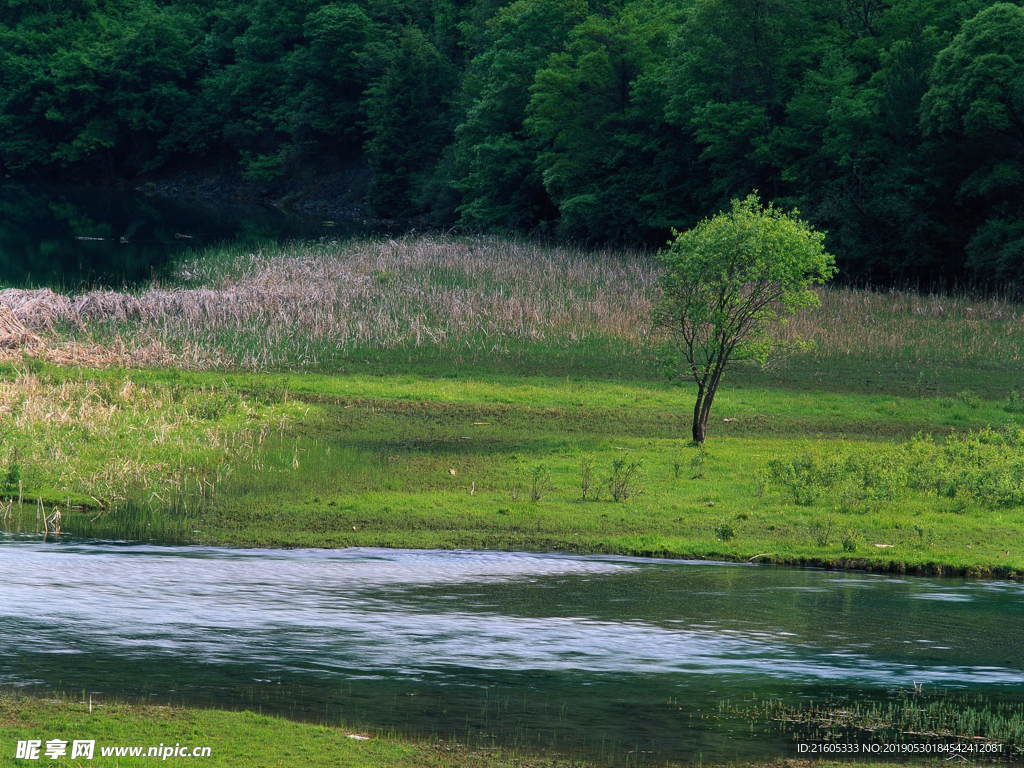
{"x":407,"y":116}
{"x":895,"y":125}
{"x":976,"y":103}
{"x":494,"y":162}
{"x":597,"y":161}
{"x":103,"y":90}
{"x":284,"y":85}
{"x":736,"y":64}
{"x":727,"y":283}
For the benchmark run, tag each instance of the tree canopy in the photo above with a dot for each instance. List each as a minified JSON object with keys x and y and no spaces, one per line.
{"x":897,"y":126}
{"x":727,"y":283}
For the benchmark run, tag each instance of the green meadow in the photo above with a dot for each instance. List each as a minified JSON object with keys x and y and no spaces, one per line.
{"x":461,"y":393}
{"x":311,"y":460}
{"x":230,"y":737}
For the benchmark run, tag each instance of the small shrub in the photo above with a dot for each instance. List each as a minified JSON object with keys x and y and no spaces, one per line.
{"x":968,"y":398}
{"x":850,"y":542}
{"x":762,"y":477}
{"x":806,"y":476}
{"x":725,"y":532}
{"x":822,"y":532}
{"x":699,"y":463}
{"x":624,"y":481}
{"x":540,"y":483}
{"x":880,"y":476}
{"x":1014,"y":403}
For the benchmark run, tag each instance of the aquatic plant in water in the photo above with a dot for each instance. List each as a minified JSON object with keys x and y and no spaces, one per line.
{"x":915,"y":716}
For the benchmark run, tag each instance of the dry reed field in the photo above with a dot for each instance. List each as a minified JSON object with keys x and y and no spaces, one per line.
{"x":303,"y":305}
{"x":312,"y":305}
{"x":911,"y":327}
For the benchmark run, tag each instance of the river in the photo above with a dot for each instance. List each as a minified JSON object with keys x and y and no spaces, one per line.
{"x":73,"y":237}
{"x":599,"y":656}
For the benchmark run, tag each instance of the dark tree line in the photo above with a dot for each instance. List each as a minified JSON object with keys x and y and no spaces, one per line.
{"x":896,"y":125}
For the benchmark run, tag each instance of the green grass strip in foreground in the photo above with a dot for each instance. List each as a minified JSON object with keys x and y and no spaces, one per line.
{"x":244,"y":739}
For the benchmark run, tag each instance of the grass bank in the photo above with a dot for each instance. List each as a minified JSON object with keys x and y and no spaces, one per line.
{"x":443,"y":392}
{"x":246,"y":738}
{"x":234,"y":739}
{"x":288,"y":460}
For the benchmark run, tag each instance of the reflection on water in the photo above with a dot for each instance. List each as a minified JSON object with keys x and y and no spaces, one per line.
{"x":546,"y":649}
{"x":70,"y":237}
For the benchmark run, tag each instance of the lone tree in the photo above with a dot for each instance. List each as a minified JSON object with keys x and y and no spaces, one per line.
{"x":727,"y":282}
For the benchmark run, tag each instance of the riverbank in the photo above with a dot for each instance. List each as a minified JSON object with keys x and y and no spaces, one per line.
{"x":247,"y":738}
{"x":233,"y":738}
{"x":313,"y":460}
{"x":451,"y":393}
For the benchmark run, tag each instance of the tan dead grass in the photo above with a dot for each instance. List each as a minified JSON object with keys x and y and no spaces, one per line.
{"x":293,"y":305}
{"x":905,"y":326}
{"x":117,"y":354}
{"x":14,"y":335}
{"x":303,"y":304}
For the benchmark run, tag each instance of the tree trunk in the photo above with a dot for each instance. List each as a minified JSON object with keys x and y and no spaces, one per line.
{"x":699,"y":431}
{"x":699,"y":426}
{"x":702,"y":413}
{"x":705,"y":411}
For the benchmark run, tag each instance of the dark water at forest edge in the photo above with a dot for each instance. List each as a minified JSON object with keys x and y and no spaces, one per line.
{"x":600,"y":656}
{"x":66,"y":237}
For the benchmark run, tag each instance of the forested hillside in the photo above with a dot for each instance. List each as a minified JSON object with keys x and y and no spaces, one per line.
{"x":897,"y":126}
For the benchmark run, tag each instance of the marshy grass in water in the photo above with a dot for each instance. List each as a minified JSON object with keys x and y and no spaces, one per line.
{"x":907,"y":717}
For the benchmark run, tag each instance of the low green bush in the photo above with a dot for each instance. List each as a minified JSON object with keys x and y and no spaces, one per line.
{"x":985,"y":465}
{"x":725,"y":532}
{"x":1014,"y":402}
{"x":625,"y":481}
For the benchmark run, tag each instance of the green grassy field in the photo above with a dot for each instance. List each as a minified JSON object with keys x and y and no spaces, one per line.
{"x":234,"y":739}
{"x":442,"y":392}
{"x":290,"y":459}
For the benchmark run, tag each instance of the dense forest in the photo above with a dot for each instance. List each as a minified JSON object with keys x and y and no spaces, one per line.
{"x":898,"y":125}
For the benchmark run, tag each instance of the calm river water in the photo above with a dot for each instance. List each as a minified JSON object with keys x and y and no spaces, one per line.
{"x":67,"y":237}
{"x":594,"y":655}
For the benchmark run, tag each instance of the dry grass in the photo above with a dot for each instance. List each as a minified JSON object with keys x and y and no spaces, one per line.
{"x":13,"y":334}
{"x":912,"y":327}
{"x":312,"y":304}
{"x":116,"y":354}
{"x":299,"y":305}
